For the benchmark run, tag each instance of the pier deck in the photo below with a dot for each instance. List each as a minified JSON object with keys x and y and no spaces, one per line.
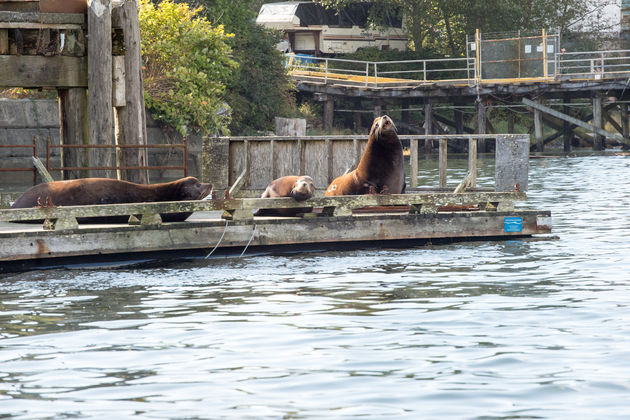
{"x":228,"y":226}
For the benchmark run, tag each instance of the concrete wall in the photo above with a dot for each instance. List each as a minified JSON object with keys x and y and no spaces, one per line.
{"x":22,"y":119}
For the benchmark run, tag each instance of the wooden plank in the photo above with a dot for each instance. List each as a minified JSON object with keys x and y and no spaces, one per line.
{"x":31,"y":25}
{"x":205,"y":234}
{"x":100,"y":112}
{"x":572,"y":120}
{"x":348,"y":202}
{"x":37,"y":71}
{"x":47,"y":18}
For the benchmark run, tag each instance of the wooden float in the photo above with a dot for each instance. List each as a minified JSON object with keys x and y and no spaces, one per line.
{"x":230,"y":226}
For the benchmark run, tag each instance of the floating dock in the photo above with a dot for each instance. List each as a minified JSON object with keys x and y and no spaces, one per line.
{"x":227,"y":226}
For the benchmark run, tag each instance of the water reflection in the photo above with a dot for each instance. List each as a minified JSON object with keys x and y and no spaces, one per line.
{"x":512,"y":329}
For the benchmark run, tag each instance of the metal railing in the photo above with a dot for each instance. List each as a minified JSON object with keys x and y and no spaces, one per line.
{"x":592,"y":65}
{"x":31,"y":168}
{"x":183,"y":146}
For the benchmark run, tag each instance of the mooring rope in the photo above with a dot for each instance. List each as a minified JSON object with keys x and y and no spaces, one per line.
{"x":220,"y":239}
{"x":250,"y":241}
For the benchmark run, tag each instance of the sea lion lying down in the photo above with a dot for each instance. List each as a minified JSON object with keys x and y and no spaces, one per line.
{"x":86,"y":191}
{"x":299,"y":187}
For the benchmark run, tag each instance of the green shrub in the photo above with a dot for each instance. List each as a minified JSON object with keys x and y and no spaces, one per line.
{"x":187,"y":63}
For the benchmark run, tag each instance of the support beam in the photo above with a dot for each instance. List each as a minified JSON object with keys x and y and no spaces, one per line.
{"x":131,"y":126}
{"x":572,"y":120}
{"x":428,"y":123}
{"x":598,"y":122}
{"x":74,"y":126}
{"x":481,"y":123}
{"x":329,"y":112}
{"x":625,"y":125}
{"x":568,"y":135}
{"x":539,"y":129}
{"x":100,"y":121}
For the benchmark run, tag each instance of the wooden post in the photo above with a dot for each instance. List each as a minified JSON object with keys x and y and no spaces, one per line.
{"x":413,"y":167}
{"x":100,"y":117}
{"x":73,"y":129}
{"x":598,"y":140}
{"x":625,"y":125}
{"x":510,"y":122}
{"x":378,"y":110}
{"x":459,"y":118}
{"x":443,"y":159}
{"x":329,"y":111}
{"x":472,"y":162}
{"x":568,"y":134}
{"x":131,"y":126}
{"x":216,"y":159}
{"x":4,"y":41}
{"x":481,"y":124}
{"x":538,"y":129}
{"x":356,"y":116}
{"x":428,"y":123}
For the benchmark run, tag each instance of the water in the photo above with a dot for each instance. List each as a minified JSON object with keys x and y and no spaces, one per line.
{"x":478,"y":330}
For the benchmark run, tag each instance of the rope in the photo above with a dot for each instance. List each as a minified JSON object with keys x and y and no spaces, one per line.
{"x":220,"y":239}
{"x":250,"y":241}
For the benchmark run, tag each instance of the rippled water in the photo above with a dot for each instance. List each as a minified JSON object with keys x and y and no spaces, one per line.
{"x":476,"y":330}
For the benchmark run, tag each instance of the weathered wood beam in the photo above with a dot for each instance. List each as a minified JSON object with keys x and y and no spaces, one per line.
{"x":38,"y":71}
{"x":572,"y":120}
{"x":73,"y":130}
{"x":131,"y":125}
{"x":100,"y":111}
{"x":348,"y":202}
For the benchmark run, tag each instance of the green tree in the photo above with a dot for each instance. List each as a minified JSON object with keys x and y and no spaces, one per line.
{"x":186,"y":66}
{"x":260,"y":88}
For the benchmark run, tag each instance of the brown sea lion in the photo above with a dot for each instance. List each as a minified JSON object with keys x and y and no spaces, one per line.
{"x":299,"y":187}
{"x":86,"y":191}
{"x":380,"y":170}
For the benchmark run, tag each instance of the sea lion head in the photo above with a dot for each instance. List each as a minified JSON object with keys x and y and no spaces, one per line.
{"x":303,"y":189}
{"x":381,"y":126}
{"x":191,"y":189}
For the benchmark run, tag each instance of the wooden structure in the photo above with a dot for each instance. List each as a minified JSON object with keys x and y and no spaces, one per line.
{"x":595,"y":77}
{"x":258,"y":160}
{"x":95,"y":67}
{"x":227,"y":225}
{"x":422,"y":219}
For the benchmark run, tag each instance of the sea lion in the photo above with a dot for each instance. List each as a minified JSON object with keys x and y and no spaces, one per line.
{"x":299,"y":187}
{"x":86,"y":191}
{"x":380,"y":170}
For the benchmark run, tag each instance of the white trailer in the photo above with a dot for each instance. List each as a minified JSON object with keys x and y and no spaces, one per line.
{"x":312,"y":29}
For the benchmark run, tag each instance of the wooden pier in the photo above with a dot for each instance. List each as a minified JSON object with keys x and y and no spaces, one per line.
{"x":230,"y":227}
{"x":227,"y":225}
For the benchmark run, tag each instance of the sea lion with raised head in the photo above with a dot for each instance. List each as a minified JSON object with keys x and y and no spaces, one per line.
{"x":380,"y":170}
{"x":87,"y":191}
{"x":301,"y":188}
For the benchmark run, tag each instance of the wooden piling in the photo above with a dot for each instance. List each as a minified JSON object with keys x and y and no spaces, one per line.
{"x":100,"y":123}
{"x":598,"y":140}
{"x":74,"y":130}
{"x":481,"y":123}
{"x":131,"y":127}
{"x":538,"y":129}
{"x":625,"y":125}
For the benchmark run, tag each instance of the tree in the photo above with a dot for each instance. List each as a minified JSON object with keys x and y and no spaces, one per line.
{"x":260,"y":88}
{"x":187,"y":64}
{"x":441,"y":26}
